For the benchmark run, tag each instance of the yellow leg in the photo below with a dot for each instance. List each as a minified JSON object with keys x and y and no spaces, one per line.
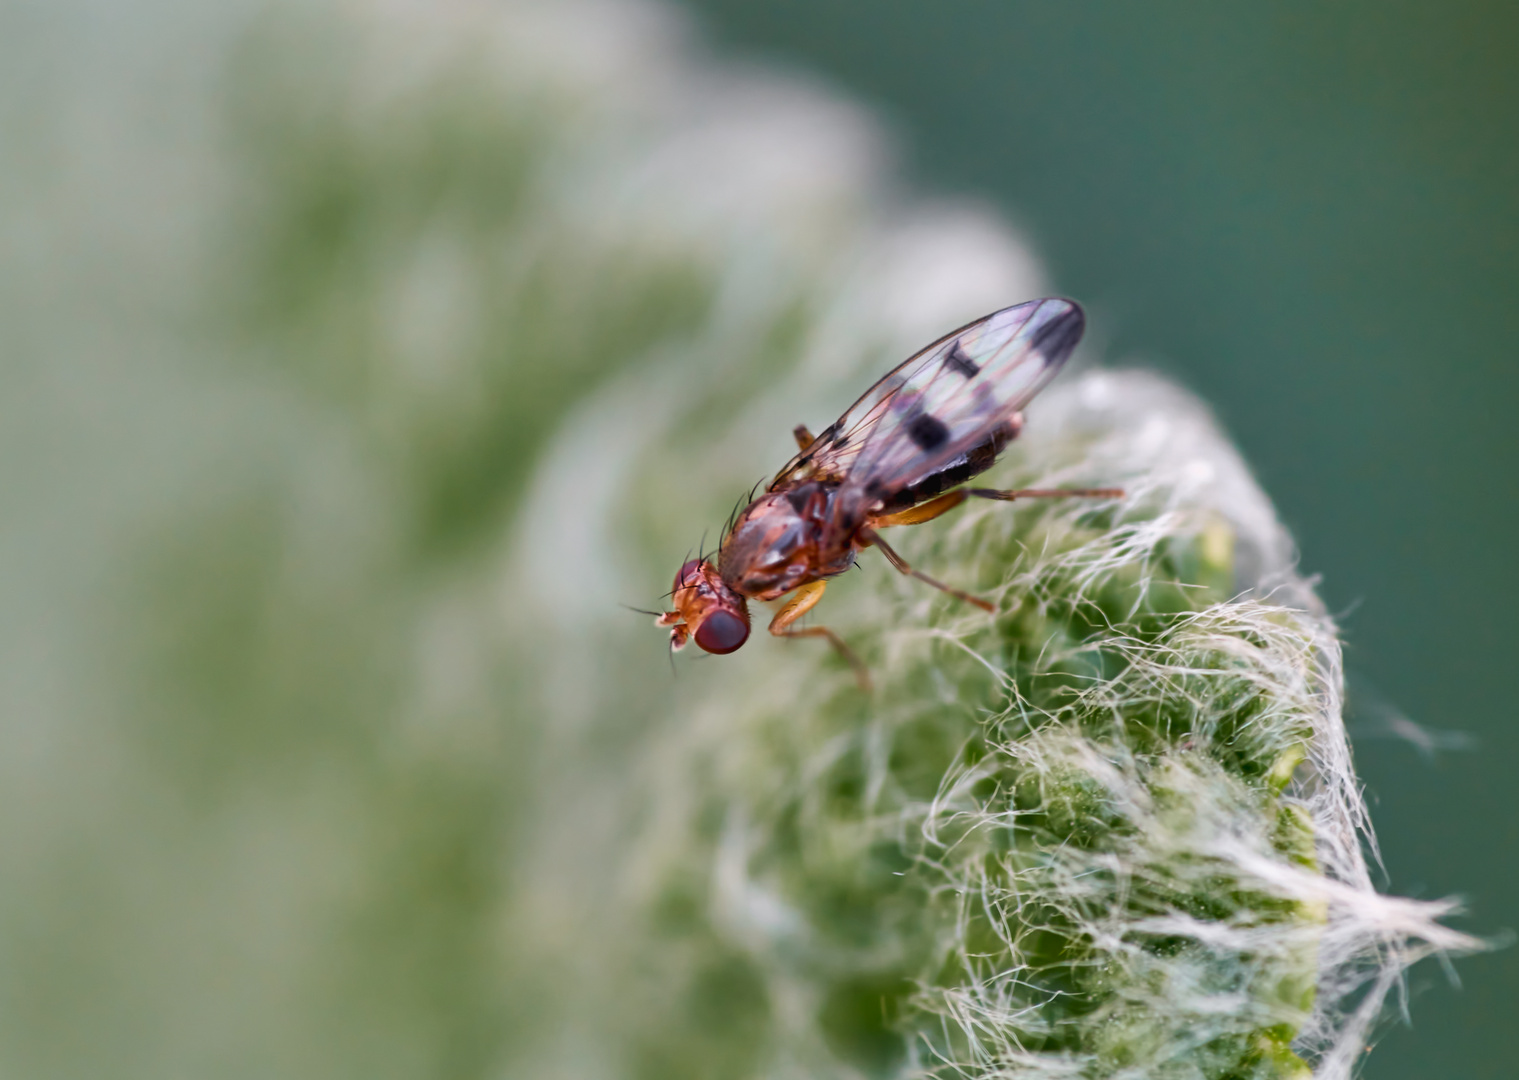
{"x":802,"y":436}
{"x":1044,"y":493}
{"x":942,"y":504}
{"x":802,"y":601}
{"x":870,"y":536}
{"x":917,"y":515}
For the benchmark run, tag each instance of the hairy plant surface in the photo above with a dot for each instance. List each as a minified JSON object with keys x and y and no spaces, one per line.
{"x":1110,"y":831}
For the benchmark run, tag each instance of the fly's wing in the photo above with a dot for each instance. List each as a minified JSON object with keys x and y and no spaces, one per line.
{"x":941,"y":403}
{"x":834,"y":450}
{"x":967,"y":352}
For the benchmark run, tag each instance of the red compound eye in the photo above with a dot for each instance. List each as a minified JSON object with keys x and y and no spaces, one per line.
{"x":722,"y":632}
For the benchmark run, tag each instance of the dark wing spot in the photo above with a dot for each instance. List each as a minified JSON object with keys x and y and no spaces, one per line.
{"x":959,"y":362}
{"x":927,"y":432}
{"x":840,"y":440}
{"x":1057,"y":338}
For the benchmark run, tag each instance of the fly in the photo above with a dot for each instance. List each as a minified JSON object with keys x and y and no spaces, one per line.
{"x":897,"y":457}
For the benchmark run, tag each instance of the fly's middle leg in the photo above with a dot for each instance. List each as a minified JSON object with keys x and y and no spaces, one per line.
{"x":870,"y":536}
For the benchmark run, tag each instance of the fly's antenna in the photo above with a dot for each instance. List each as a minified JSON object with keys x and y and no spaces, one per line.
{"x":642,"y":611}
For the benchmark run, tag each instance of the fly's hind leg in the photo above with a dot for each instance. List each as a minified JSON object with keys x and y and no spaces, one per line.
{"x":802,"y":601}
{"x":917,"y":515}
{"x":870,"y":536}
{"x":1044,"y":493}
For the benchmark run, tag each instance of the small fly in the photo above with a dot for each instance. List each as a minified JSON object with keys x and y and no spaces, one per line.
{"x":896,"y":457}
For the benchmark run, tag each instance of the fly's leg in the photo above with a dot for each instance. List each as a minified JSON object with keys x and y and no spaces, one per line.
{"x":1043,"y":493}
{"x":870,"y":536}
{"x":917,"y":515}
{"x":931,"y":509}
{"x":803,"y":601}
{"x":802,"y":436}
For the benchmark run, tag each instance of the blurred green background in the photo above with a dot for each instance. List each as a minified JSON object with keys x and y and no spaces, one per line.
{"x":1309,"y":213}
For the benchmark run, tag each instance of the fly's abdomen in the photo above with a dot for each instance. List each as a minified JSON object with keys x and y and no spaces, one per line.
{"x":972,"y":463}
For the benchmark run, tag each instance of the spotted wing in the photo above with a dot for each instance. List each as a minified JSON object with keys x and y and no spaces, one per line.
{"x":837,"y":447}
{"x":941,"y":403}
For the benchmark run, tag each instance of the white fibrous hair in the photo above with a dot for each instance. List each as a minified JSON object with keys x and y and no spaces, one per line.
{"x":1111,"y":831}
{"x":431,"y":334}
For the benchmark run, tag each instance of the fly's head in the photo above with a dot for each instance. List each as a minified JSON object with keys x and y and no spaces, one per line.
{"x":706,"y":610}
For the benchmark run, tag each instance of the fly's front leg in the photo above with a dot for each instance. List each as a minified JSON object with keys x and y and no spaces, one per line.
{"x":870,"y":536}
{"x":802,"y":601}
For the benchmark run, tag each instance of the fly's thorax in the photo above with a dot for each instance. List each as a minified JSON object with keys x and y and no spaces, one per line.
{"x":706,"y":610}
{"x":777,"y":542}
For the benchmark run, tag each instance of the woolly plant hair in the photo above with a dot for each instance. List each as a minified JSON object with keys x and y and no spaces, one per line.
{"x":1112,"y":830}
